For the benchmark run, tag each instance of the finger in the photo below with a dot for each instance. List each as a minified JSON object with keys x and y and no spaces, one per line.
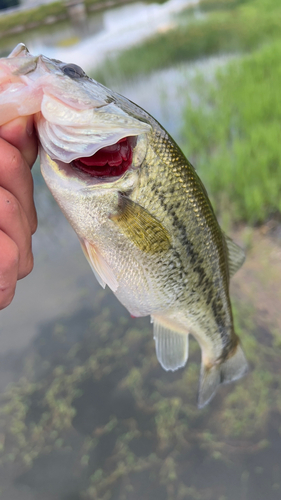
{"x":14,"y":223}
{"x":9,"y":259}
{"x":21,"y":134}
{"x":15,"y":176}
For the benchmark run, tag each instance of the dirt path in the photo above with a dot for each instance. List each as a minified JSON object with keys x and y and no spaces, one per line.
{"x":258,"y":282}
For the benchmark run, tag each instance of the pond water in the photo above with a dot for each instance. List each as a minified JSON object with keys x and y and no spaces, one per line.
{"x":86,"y":411}
{"x":103,"y":33}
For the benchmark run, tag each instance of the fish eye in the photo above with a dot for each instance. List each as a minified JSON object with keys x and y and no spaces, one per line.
{"x":73,"y":71}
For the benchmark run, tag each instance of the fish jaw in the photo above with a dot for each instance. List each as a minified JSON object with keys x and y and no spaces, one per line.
{"x":62,"y":177}
{"x":110,"y":229}
{"x":67,"y":133}
{"x":88,"y":202}
{"x":74,"y":116}
{"x":85,"y":201}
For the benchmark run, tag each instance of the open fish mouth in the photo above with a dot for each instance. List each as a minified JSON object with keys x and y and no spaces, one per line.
{"x":107,"y":165}
{"x":99,"y":142}
{"x":110,"y":161}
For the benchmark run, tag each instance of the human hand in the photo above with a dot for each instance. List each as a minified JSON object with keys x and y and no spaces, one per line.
{"x":18,"y":220}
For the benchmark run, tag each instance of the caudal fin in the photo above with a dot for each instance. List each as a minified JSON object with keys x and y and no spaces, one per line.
{"x":212,"y":376}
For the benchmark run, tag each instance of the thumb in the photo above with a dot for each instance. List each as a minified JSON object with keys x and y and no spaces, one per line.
{"x":21,"y":134}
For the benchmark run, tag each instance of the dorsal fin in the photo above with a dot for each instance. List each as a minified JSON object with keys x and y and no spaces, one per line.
{"x":171,"y":345}
{"x":236,"y":255}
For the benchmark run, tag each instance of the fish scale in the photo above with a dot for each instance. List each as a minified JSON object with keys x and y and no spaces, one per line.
{"x":192,"y":200}
{"x":147,"y":228}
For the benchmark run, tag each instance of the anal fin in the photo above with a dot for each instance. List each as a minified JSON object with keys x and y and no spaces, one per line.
{"x":233,"y":368}
{"x":100,"y":267}
{"x":171,"y":345}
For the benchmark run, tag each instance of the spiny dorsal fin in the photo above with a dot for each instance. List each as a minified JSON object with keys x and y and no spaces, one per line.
{"x":233,"y":368}
{"x":142,"y":228}
{"x":236,"y":256}
{"x":100,"y":267}
{"x":171,"y":346}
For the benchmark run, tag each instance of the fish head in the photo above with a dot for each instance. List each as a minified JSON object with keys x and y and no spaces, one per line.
{"x":90,"y":140}
{"x":93,"y":150}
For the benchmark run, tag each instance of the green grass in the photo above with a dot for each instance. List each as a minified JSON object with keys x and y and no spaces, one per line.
{"x":233,"y":136}
{"x":227,"y":31}
{"x":37,"y":16}
{"x":31,"y":17}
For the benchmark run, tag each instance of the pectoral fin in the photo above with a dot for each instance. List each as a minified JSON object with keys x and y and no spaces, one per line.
{"x":233,"y":368}
{"x":100,"y":267}
{"x":171,"y":345}
{"x":236,"y":256}
{"x":142,"y":228}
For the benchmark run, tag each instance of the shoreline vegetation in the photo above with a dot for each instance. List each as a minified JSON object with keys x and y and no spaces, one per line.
{"x":231,"y":131}
{"x":220,"y":32}
{"x":47,"y":14}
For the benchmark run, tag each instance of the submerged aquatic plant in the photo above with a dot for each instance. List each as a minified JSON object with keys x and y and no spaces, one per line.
{"x":139,"y":430}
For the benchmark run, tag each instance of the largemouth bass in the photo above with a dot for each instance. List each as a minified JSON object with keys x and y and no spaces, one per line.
{"x":139,"y":209}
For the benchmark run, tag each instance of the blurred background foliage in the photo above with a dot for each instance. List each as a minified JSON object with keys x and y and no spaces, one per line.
{"x":231,"y":131}
{"x":5,"y":4}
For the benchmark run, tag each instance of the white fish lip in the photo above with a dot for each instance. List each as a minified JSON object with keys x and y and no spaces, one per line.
{"x":28,"y":65}
{"x":20,"y":66}
{"x":19,"y":50}
{"x":25,"y":63}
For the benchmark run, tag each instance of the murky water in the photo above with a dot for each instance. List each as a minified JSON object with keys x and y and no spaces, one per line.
{"x":87,"y":413}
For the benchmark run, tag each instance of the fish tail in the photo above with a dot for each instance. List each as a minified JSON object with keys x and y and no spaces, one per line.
{"x":233,"y":368}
